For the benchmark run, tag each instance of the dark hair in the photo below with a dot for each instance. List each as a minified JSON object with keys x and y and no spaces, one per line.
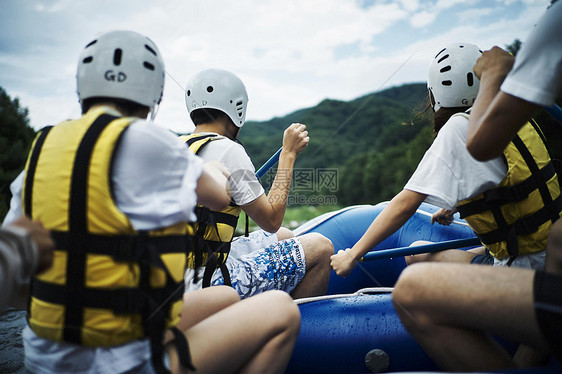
{"x":127,"y":107}
{"x":207,"y":115}
{"x":440,"y":117}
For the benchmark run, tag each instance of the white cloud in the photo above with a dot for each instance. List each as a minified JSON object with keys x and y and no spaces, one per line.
{"x":284,"y":51}
{"x":422,"y":19}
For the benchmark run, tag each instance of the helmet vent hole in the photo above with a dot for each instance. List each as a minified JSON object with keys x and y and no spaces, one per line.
{"x":441,"y":51}
{"x":446,"y":83}
{"x":88,"y":59}
{"x":210,"y":89}
{"x":117,"y":57}
{"x":148,"y":65}
{"x":446,"y":68}
{"x":188,"y":92}
{"x":240,"y":108}
{"x":443,"y":58}
{"x":91,"y":43}
{"x":469,"y":79}
{"x":150,"y":50}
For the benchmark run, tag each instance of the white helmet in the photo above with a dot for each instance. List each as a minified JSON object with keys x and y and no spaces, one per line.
{"x":451,"y":79}
{"x":218,"y":89}
{"x":122,"y":65}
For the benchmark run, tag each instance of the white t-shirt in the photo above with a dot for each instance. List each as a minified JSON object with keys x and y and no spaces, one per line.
{"x":537,"y":73}
{"x":154,"y":178}
{"x":244,"y":184}
{"x":448,"y":174}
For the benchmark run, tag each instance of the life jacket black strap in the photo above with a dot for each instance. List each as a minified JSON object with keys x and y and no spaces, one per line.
{"x":32,"y":166}
{"x":77,"y":218}
{"x":211,"y":217}
{"x":194,"y":139}
{"x":182,"y":348}
{"x":217,"y":251}
{"x":557,"y":166}
{"x":504,"y":195}
{"x":247,"y":226}
{"x":523,"y":226}
{"x":125,"y":247}
{"x":210,"y":267}
{"x":542,"y":187}
{"x":119,"y":300}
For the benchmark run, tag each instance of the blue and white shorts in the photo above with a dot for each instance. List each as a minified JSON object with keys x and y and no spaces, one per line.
{"x":274,"y":266}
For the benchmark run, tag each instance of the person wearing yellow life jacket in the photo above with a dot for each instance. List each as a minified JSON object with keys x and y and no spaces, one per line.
{"x":213,"y":230}
{"x":496,"y":197}
{"x":456,"y":312}
{"x":217,"y":100}
{"x":114,"y":290}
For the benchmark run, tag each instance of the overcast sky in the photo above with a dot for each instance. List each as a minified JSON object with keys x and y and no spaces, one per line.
{"x":291,"y":54}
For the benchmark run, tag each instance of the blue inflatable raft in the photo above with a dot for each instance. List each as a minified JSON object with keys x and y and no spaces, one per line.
{"x":354,"y":329}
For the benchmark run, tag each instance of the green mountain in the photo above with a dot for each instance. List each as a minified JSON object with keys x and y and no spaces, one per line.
{"x":369,"y":142}
{"x":361,"y":151}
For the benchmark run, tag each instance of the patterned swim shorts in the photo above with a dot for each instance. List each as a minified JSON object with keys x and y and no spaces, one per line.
{"x":280,"y":266}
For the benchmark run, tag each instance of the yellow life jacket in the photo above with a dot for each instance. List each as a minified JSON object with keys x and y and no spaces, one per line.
{"x":108,"y":284}
{"x":515,"y":217}
{"x":214,"y":229}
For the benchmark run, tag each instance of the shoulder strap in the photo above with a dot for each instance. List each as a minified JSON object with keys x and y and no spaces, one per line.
{"x":78,"y":223}
{"x":196,"y":142}
{"x":32,"y":167}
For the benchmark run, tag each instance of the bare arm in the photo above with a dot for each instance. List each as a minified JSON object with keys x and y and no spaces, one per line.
{"x":268,"y":212}
{"x":26,"y":247}
{"x":393,"y":216}
{"x":212,"y":186}
{"x":496,"y":116}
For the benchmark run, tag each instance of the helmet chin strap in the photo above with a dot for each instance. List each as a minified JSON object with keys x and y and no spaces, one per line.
{"x":154,"y":111}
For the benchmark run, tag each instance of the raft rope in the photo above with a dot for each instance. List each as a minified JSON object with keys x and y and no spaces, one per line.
{"x":361,"y":292}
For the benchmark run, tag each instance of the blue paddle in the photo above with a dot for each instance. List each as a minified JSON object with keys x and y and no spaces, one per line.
{"x":555,"y":112}
{"x":426,"y":248}
{"x":269,"y":164}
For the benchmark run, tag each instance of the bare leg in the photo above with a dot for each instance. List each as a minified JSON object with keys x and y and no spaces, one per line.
{"x":200,"y":304}
{"x":317,"y":252}
{"x":284,"y":233}
{"x":448,"y":307}
{"x":449,"y":255}
{"x":554,"y":246}
{"x":256,"y":335}
{"x":527,"y":356}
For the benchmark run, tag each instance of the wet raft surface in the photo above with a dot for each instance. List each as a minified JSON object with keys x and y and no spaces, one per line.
{"x":12,"y":323}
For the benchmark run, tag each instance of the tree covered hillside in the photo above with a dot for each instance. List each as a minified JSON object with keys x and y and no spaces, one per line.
{"x":361,"y":151}
{"x":369,"y":141}
{"x":15,"y":140}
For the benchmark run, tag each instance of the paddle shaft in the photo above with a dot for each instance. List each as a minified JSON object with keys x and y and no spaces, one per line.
{"x":555,"y":112}
{"x":269,"y":164}
{"x":426,"y":248}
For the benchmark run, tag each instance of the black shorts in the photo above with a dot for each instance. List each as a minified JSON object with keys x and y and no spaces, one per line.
{"x":547,"y":291}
